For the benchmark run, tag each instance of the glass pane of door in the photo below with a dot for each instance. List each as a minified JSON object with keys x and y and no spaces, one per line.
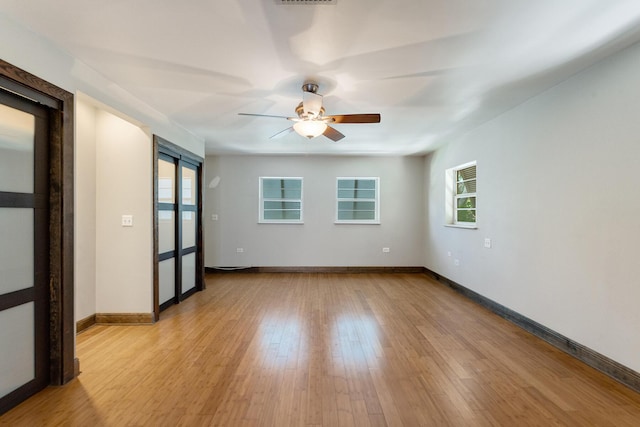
{"x":16,"y":249}
{"x":189,"y":186}
{"x":166,"y":181}
{"x":166,"y":231}
{"x":188,"y":272}
{"x":188,"y":229}
{"x":17,"y":136}
{"x":18,"y":347}
{"x":167,"y":280}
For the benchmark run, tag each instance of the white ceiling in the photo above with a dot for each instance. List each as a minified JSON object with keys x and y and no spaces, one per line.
{"x":434,"y":69}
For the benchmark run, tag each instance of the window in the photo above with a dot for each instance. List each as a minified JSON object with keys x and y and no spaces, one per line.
{"x":280,"y":200}
{"x":461,"y":195}
{"x":358,"y":200}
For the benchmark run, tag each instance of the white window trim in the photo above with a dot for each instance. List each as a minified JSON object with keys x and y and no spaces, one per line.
{"x":376,"y":220}
{"x":451,"y":198}
{"x":261,"y":219}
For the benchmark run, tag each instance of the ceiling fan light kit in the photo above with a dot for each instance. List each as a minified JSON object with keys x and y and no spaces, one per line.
{"x":311,"y":121}
{"x":310,"y":128}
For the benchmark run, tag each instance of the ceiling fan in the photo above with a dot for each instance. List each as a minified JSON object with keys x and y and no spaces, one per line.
{"x":311,"y":121}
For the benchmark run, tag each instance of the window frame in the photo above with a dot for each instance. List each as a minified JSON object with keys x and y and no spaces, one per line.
{"x":262,"y":199}
{"x":376,"y":200}
{"x":452,"y":197}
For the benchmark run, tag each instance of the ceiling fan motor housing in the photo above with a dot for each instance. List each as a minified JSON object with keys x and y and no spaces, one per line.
{"x":300,"y":112}
{"x":310,"y":87}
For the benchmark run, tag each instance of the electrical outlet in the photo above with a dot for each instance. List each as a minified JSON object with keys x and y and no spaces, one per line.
{"x":386,"y":250}
{"x":487,"y":242}
{"x":448,"y":253}
{"x":239,"y":250}
{"x":456,"y":262}
{"x":214,"y":217}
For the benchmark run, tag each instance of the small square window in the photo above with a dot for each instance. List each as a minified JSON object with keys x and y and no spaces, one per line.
{"x":358,"y":200}
{"x":280,"y":200}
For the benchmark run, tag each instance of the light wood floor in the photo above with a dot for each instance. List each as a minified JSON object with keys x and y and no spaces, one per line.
{"x":327,"y":350}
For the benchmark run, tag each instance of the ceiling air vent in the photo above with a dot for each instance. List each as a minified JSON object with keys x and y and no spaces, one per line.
{"x":306,"y":1}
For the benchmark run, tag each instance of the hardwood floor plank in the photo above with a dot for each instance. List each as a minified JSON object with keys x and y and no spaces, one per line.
{"x":326,"y":349}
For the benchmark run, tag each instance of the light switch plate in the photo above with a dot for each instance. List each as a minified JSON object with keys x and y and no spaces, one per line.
{"x":127,"y":220}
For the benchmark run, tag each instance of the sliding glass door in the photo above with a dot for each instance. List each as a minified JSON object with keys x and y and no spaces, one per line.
{"x":24,"y":243}
{"x":179,"y":266}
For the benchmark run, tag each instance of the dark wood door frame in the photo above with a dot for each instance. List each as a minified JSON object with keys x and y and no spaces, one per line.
{"x":63,"y":365}
{"x":182,"y":156}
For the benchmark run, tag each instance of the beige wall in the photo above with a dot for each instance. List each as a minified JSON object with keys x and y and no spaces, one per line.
{"x":123,"y":187}
{"x":113,"y":178}
{"x":85,"y":211}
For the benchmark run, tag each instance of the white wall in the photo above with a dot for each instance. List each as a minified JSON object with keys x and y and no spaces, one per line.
{"x":558,"y":196}
{"x":317,"y":242}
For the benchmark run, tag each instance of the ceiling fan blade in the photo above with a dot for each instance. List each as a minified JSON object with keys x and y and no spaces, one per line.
{"x":282,"y":133}
{"x":311,"y":103}
{"x":356,"y":118}
{"x":333,"y":134}
{"x":262,"y":115}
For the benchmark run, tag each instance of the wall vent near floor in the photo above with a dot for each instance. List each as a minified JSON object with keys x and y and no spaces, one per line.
{"x":306,"y":1}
